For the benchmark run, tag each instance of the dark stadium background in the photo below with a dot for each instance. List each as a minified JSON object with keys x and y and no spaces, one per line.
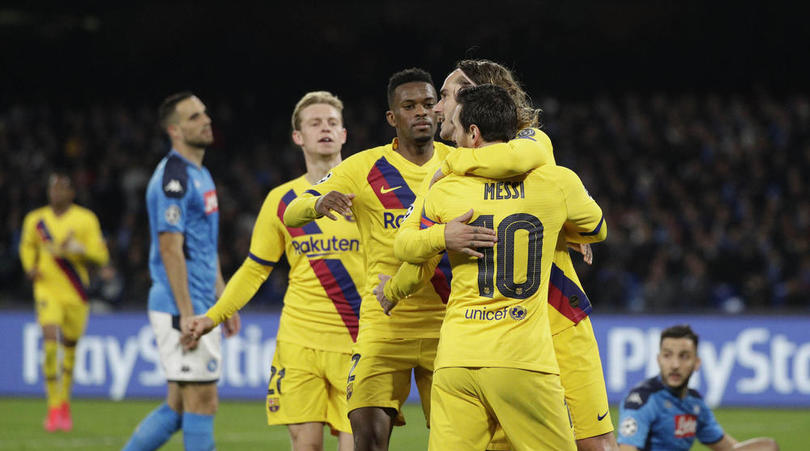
{"x":688,"y":121}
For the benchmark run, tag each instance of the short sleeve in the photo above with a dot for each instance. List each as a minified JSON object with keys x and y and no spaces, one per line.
{"x":585,"y":219}
{"x":172,"y":198}
{"x":709,"y":430}
{"x":635,"y":421}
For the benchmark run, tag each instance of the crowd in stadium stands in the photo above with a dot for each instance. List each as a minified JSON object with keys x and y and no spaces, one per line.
{"x":706,"y":197}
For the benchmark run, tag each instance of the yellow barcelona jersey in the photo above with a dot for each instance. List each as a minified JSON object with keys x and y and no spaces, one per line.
{"x":322,"y":302}
{"x":62,"y":277}
{"x":568,"y":303}
{"x":497,"y":315}
{"x":384,"y":184}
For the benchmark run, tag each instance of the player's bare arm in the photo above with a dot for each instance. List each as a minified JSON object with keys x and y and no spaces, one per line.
{"x":728,"y":443}
{"x":334,"y":201}
{"x":171,"y":252}
{"x":585,"y":250}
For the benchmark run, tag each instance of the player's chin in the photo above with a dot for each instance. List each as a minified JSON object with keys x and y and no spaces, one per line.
{"x":203,"y":141}
{"x":328,"y":148}
{"x":446,"y":133}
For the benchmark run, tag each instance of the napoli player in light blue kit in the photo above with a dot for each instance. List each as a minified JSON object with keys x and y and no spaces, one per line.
{"x":663,"y":413}
{"x":183,"y":212}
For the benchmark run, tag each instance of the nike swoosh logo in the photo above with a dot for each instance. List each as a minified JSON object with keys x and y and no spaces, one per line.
{"x":386,"y":191}
{"x":601,"y":417}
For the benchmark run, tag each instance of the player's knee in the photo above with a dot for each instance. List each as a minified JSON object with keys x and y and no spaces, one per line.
{"x":371,"y":428}
{"x":50,"y":332}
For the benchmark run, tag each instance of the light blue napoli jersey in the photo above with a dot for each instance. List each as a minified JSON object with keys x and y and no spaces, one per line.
{"x":181,"y":197}
{"x":653,"y":418}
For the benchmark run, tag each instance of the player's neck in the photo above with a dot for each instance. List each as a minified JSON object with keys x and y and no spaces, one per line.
{"x":486,"y":143}
{"x":192,"y":154}
{"x":59,"y":210}
{"x":416,"y":153}
{"x":319,"y":165}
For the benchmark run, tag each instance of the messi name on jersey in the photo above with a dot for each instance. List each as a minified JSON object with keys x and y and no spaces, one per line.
{"x":504,"y":190}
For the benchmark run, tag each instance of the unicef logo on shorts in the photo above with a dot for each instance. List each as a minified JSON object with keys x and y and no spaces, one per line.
{"x":212,"y":365}
{"x":517,"y":312}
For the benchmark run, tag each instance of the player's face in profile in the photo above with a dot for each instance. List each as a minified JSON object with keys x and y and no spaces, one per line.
{"x":447,"y":102}
{"x":193,"y":123}
{"x":413,"y":111}
{"x":677,"y":359}
{"x":60,"y":191}
{"x":321,"y":130}
{"x":460,"y":136}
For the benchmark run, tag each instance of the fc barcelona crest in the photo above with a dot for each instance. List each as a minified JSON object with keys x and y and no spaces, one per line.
{"x":272,"y":404}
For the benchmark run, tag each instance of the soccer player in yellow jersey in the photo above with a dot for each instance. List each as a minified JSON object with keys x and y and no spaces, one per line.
{"x":58,"y":244}
{"x":574,"y":341}
{"x":377,"y":186}
{"x":319,"y":321}
{"x":495,"y":363}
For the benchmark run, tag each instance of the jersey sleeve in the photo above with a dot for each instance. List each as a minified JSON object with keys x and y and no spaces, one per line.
{"x":172,"y":198}
{"x":95,"y":249}
{"x":409,"y":278}
{"x":266,"y":247}
{"x":636,"y":416}
{"x":302,"y":209}
{"x":585,"y":223}
{"x":413,"y":245}
{"x":708,"y":429}
{"x":28,"y":243}
{"x":529,"y":150}
{"x":240,"y":289}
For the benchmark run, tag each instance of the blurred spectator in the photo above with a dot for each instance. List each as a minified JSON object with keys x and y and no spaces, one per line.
{"x":706,"y":196}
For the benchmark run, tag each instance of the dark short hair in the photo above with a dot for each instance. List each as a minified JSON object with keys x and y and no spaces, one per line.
{"x":491,"y":108}
{"x":406,"y":76}
{"x":679,"y":331}
{"x":169,"y":106}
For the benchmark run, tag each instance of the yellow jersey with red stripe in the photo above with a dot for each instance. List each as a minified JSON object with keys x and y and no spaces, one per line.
{"x":62,"y":277}
{"x":497,"y":315}
{"x":384,"y":183}
{"x":322,"y":303}
{"x":568,"y":303}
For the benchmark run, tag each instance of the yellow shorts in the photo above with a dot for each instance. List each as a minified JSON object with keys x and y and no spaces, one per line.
{"x":583,"y":384}
{"x":71,"y":317}
{"x":469,"y":403}
{"x":380,"y":374}
{"x":582,"y":380}
{"x":308,"y":386}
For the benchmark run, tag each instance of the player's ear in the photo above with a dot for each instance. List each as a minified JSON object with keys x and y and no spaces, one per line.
{"x":298,"y":138}
{"x":697,"y":363}
{"x":342,"y":134}
{"x":475,"y":134}
{"x":392,"y":120}
{"x":172,"y":130}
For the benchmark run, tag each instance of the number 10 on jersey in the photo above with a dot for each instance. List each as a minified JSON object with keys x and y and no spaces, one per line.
{"x":504,"y":272}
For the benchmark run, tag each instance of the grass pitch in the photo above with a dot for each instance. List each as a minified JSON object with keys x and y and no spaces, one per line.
{"x":106,"y":425}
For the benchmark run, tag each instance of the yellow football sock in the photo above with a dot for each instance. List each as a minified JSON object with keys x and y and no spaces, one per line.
{"x":67,"y":371}
{"x":50,"y":371}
